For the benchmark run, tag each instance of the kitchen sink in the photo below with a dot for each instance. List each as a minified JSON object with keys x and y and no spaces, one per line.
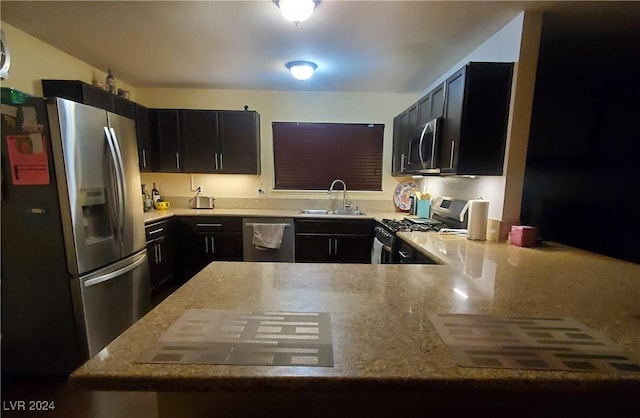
{"x":348,"y":212}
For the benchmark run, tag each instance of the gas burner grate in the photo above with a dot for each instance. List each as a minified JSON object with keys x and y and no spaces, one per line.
{"x":408,"y":226}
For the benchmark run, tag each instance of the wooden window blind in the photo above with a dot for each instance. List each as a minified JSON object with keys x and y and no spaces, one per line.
{"x":309,"y":156}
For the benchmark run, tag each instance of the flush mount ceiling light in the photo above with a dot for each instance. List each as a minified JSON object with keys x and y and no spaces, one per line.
{"x":302,"y":70}
{"x":296,"y":10}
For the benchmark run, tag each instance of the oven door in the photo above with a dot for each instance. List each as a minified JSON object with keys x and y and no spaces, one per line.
{"x":422,"y":149}
{"x":387,"y":255}
{"x":382,"y":251}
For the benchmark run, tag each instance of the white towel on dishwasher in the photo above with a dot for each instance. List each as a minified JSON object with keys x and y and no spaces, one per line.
{"x":376,"y":252}
{"x":268,"y":236}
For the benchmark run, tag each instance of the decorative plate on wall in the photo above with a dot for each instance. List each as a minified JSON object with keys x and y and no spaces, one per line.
{"x":5,"y":57}
{"x":401,"y":194}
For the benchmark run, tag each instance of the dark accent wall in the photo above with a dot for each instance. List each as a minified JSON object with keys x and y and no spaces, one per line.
{"x":582,"y":178}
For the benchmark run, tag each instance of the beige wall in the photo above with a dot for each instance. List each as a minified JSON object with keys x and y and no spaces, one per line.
{"x":33,"y":60}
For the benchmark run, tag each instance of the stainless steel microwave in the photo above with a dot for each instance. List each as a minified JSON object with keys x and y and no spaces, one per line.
{"x":422,"y":152}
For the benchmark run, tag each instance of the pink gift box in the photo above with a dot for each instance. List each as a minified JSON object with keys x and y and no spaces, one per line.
{"x":524,"y":236}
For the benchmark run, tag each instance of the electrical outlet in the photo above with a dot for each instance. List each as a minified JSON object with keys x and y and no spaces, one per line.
{"x":262,"y":191}
{"x":200,"y":188}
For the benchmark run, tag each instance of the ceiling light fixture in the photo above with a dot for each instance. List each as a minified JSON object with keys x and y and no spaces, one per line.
{"x":302,"y":70}
{"x":296,"y":10}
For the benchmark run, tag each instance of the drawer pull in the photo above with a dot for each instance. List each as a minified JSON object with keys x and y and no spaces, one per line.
{"x":210,"y":225}
{"x":155,"y":231}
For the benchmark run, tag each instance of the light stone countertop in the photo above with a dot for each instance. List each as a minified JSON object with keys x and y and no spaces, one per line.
{"x":382,"y":338}
{"x":157,"y":215}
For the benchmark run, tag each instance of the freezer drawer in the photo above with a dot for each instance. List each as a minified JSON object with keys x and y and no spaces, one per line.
{"x":110,"y":300}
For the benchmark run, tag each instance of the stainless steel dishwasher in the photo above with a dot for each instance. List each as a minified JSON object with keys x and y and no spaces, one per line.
{"x":287,"y":248}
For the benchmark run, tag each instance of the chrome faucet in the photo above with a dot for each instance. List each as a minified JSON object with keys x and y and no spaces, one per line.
{"x":345,"y":204}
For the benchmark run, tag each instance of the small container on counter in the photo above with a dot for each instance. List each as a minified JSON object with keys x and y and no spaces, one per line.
{"x":147,"y":203}
{"x":524,"y":236}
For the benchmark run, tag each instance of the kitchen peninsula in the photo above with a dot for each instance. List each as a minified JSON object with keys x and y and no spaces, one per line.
{"x":388,"y":358}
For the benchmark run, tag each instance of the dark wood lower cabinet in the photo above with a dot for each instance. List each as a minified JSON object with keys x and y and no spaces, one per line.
{"x":408,"y":255}
{"x":179,"y":248}
{"x":203,"y":239}
{"x":160,"y":254}
{"x":333,"y":241}
{"x":199,"y":249}
{"x":320,"y":248}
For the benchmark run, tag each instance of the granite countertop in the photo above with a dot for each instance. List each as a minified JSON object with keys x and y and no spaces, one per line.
{"x":382,"y":337}
{"x":157,"y":215}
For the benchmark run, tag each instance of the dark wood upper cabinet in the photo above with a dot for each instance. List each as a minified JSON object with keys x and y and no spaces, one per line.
{"x":413,"y":130}
{"x":474,"y":104}
{"x":405,"y":127}
{"x":476,"y":114}
{"x":399,"y":153}
{"x":145,"y":154}
{"x":424,"y":110}
{"x":82,"y":92}
{"x":453,"y":108}
{"x":408,"y":126}
{"x":239,"y":142}
{"x":206,"y":141}
{"x":165,"y":137}
{"x":200,"y":141}
{"x":431,"y":106}
{"x":437,"y":102}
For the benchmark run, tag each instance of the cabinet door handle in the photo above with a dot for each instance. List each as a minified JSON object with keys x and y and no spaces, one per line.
{"x":160,"y":252}
{"x":402,"y":158}
{"x":215,"y":158}
{"x":329,"y":246}
{"x":220,"y":161}
{"x":453,"y":147}
{"x":206,"y":245}
{"x":213,"y":247}
{"x":178,"y":161}
{"x":144,"y":159}
{"x":403,"y":254}
{"x":433,"y":145}
{"x":335,"y":246}
{"x":424,"y":131}
{"x":155,"y":253}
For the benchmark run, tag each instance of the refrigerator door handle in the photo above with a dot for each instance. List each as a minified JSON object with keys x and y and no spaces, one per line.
{"x":123,"y":184}
{"x":118,"y":200}
{"x":119,"y":272}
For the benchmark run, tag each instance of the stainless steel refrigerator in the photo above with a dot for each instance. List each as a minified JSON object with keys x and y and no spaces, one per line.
{"x":74,"y":267}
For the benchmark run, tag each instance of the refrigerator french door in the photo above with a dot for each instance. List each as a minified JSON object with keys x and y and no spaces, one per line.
{"x":95,"y":154}
{"x":110,"y":300}
{"x":74,"y":269}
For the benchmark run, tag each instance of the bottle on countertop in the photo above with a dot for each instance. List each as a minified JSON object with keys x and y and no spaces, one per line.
{"x":146,"y":198}
{"x":155,"y":194}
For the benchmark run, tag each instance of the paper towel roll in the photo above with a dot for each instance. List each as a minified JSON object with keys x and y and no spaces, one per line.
{"x":478,"y":218}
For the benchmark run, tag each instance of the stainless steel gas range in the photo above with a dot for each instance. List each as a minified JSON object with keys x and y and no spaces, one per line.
{"x":446,"y":213}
